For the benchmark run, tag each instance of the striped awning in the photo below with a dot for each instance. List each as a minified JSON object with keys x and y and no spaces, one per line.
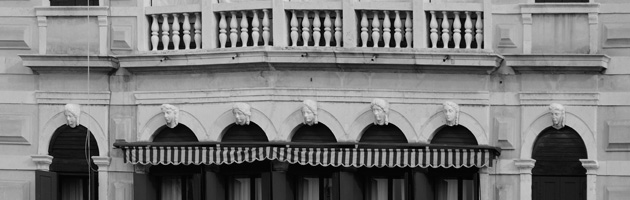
{"x":315,"y":156}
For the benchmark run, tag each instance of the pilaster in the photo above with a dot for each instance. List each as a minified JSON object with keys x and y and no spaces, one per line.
{"x":525,"y":167}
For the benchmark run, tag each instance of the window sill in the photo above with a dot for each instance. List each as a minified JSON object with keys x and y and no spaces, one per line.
{"x":557,"y":8}
{"x":46,"y":11}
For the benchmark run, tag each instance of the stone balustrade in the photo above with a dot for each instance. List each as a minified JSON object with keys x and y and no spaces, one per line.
{"x":244,"y":28}
{"x":232,"y":24}
{"x":175,"y":31}
{"x":376,"y":29}
{"x":313,"y":24}
{"x":446,"y":29}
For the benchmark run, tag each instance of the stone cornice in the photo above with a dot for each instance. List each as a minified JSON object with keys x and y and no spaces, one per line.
{"x":557,"y":63}
{"x":68,"y":63}
{"x":319,"y":59}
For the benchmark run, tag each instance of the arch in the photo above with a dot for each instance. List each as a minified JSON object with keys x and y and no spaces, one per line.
{"x":179,"y":133}
{"x":154,"y":123}
{"x":455,"y":135}
{"x":558,"y":152}
{"x":295,"y":119}
{"x":367,"y":117}
{"x":437,"y":120}
{"x":244,"y":133}
{"x":383,"y":133}
{"x":68,"y":148}
{"x":315,"y":133}
{"x":544,"y":121}
{"x":227,"y":118}
{"x":86,"y":120}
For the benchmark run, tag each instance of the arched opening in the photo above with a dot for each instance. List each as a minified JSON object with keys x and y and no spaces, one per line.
{"x":69,"y":148}
{"x":176,"y":182}
{"x":454,"y":135}
{"x":383,"y":134}
{"x":244,"y":133}
{"x":315,"y":133}
{"x":454,"y":183}
{"x":558,"y":173}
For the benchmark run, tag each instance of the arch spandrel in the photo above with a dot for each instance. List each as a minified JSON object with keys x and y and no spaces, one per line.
{"x":86,"y":120}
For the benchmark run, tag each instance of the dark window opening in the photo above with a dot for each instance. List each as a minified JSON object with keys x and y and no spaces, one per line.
{"x":315,"y":133}
{"x":562,"y":1}
{"x":244,"y":133}
{"x":454,"y":135}
{"x":73,"y":2}
{"x":383,"y":134}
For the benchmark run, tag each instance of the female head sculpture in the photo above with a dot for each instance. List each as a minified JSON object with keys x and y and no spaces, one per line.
{"x":171,"y":115}
{"x":309,"y":111}
{"x":557,"y":115}
{"x":451,"y":112}
{"x":73,"y":114}
{"x":242,"y":112}
{"x":380,"y":108}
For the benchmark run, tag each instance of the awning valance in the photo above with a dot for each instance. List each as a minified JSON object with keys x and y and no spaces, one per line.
{"x":354,"y":156}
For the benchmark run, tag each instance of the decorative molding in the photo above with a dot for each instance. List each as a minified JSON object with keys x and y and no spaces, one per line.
{"x":503,"y":127}
{"x":15,"y":36}
{"x":546,"y":98}
{"x":64,"y":97}
{"x":71,"y":11}
{"x":42,"y":161}
{"x":559,"y":8}
{"x":322,"y":95}
{"x":590,"y":165}
{"x":102,"y":162}
{"x":176,"y":9}
{"x":618,"y":135}
{"x":122,"y":37}
{"x":505,"y":36}
{"x":298,"y":58}
{"x":557,"y":63}
{"x":18,"y":189}
{"x":616,"y":35}
{"x":617,"y":192}
{"x":16,"y":129}
{"x":65,"y":63}
{"x":525,"y":166}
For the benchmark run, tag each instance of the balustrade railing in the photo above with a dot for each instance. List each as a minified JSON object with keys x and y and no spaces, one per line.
{"x":244,"y":28}
{"x":311,"y":25}
{"x":446,"y":29}
{"x":376,"y":28}
{"x":175,"y":31}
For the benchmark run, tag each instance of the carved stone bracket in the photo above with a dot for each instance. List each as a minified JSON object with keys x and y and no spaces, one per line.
{"x":42,"y":161}
{"x":525,"y":166}
{"x":590,"y":165}
{"x":102,"y":162}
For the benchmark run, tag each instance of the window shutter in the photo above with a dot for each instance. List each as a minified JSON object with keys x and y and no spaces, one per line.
{"x":45,"y":185}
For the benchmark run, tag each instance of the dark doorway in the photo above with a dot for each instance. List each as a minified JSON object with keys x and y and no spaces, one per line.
{"x":558,"y":173}
{"x":75,"y":178}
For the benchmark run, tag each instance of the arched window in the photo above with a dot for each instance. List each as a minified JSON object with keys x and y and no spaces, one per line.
{"x":383,"y":134}
{"x":315,"y":133}
{"x":69,"y":148}
{"x":454,"y":183}
{"x":558,"y":172}
{"x":244,"y":133}
{"x":312,"y":182}
{"x":176,"y":182}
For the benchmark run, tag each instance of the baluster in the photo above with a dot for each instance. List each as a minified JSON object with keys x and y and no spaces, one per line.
{"x":433,"y":25}
{"x":244,"y":31}
{"x":197,"y":31}
{"x":445,"y":30}
{"x":387,"y":24}
{"x":265,"y":24}
{"x":154,"y":33}
{"x":376,"y":34}
{"x":317,"y":34}
{"x":468,"y":27}
{"x":175,"y":31}
{"x":186,"y":28}
{"x":327,"y":29}
{"x":233,"y":30}
{"x":338,"y":28}
{"x":222,"y":30}
{"x":364,"y":29}
{"x":305,"y":29}
{"x":397,"y":29}
{"x":479,"y":28}
{"x":457,"y":29}
{"x":165,"y":29}
{"x":255,"y":24}
{"x":408,"y":30}
{"x":294,"y":29}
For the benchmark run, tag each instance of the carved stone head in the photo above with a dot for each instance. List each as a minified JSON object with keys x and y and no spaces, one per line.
{"x":73,"y":114}
{"x":451,"y":113}
{"x":309,"y":111}
{"x":242,"y":112}
{"x":171,"y":115}
{"x":380,"y":108}
{"x":557,"y":115}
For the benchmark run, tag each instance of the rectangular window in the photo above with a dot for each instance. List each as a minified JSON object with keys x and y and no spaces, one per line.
{"x":245,"y":188}
{"x":314,"y":188}
{"x":73,"y":2}
{"x":387,"y":188}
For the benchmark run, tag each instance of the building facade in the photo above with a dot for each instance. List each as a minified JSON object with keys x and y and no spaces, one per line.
{"x":315,"y":100}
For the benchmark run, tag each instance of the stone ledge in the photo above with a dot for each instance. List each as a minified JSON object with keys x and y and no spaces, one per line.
{"x":71,"y":11}
{"x":315,"y":59}
{"x":66,"y":63}
{"x":557,"y":63}
{"x":557,"y":8}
